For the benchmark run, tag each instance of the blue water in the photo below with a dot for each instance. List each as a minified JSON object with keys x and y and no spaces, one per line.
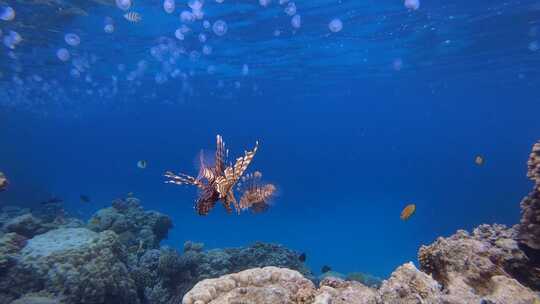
{"x":352,"y":125}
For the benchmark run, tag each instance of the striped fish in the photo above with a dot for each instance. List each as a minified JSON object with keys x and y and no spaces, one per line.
{"x":133,"y":17}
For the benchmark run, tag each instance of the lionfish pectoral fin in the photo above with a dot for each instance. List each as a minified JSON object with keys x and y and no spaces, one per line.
{"x":231,"y":199}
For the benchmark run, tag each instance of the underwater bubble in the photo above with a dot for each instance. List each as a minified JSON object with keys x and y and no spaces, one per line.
{"x":123,"y":4}
{"x":211,"y":69}
{"x":220,"y":27}
{"x":264,"y":2}
{"x":198,"y":14}
{"x":7,"y":13}
{"x":108,"y":28}
{"x":72,"y":39}
{"x":412,"y":4}
{"x":206,"y":24}
{"x":290,"y":9}
{"x":178,"y":34}
{"x":296,"y":21}
{"x":277,"y":33}
{"x":194,"y":55}
{"x":168,"y":6}
{"x":207,"y":50}
{"x":245,"y":69}
{"x":75,"y":73}
{"x":184,"y":29}
{"x":195,"y":4}
{"x":12,"y":39}
{"x":160,"y":78}
{"x":202,"y":38}
{"x":175,"y":73}
{"x":186,"y":17}
{"x":63,"y":54}
{"x":335,"y":25}
{"x":397,"y":64}
{"x":534,"y":46}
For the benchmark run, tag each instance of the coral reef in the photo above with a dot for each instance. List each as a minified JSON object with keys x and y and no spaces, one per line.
{"x":26,"y":225}
{"x":10,"y":245}
{"x":408,"y":285}
{"x":529,"y":227}
{"x":137,"y":229}
{"x":164,"y":275}
{"x":472,"y":267}
{"x":81,"y":265}
{"x":337,"y":291}
{"x":364,"y":278}
{"x":258,"y":285}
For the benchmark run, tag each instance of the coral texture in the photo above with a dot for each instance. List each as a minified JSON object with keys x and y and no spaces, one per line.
{"x":81,"y":265}
{"x":472,"y":268}
{"x":529,"y":228}
{"x":10,"y":246}
{"x":408,"y":285}
{"x":136,"y":228}
{"x":337,"y":291}
{"x":26,"y":225}
{"x":269,"y":285}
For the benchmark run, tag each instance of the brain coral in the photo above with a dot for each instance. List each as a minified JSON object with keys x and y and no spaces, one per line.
{"x":81,"y":265}
{"x":268,"y":285}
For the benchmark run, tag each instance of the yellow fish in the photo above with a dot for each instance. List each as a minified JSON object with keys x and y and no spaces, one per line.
{"x":479,"y":160}
{"x":407,"y":212}
{"x":133,"y":17}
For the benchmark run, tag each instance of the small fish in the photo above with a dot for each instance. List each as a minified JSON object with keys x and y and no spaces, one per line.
{"x":3,"y":182}
{"x":302,"y":257}
{"x":53,"y":200}
{"x":326,"y":269}
{"x":479,"y":160}
{"x":133,"y":17}
{"x":85,"y":198}
{"x":407,"y":212}
{"x":141,"y":164}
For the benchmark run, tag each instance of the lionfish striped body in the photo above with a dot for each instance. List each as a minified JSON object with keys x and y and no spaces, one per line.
{"x":215,"y":182}
{"x":256,"y":195}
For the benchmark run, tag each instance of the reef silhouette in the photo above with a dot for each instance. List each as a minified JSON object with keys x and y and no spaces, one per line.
{"x":216,"y":182}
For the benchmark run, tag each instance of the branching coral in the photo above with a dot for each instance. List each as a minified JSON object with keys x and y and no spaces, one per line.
{"x":216,"y":181}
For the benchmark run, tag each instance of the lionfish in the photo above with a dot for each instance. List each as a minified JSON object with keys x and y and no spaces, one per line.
{"x":256,"y":195}
{"x":216,"y":181}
